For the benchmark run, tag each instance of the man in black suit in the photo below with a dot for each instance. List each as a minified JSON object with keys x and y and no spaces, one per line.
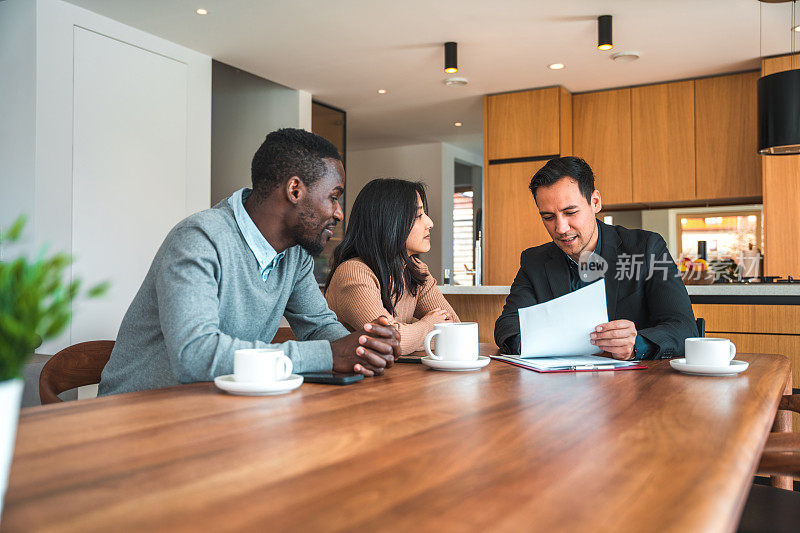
{"x":647,"y":302}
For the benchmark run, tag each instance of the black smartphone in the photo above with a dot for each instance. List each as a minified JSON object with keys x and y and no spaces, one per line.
{"x":409,"y":359}
{"x":331,"y":378}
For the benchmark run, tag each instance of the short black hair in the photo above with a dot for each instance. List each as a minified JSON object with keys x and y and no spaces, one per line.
{"x":574,"y":168}
{"x":290,"y":152}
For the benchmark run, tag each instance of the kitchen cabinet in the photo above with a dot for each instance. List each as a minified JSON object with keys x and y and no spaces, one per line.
{"x":521,"y":130}
{"x":512,"y":220}
{"x":781,"y":191}
{"x":728,"y":164}
{"x":528,"y":124}
{"x":601,"y":134}
{"x":481,"y":308}
{"x":663,"y":142}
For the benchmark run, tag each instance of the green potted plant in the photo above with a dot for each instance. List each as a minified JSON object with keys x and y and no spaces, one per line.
{"x":35,"y":305}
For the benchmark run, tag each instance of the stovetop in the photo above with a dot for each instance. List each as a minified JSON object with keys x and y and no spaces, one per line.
{"x":766,"y":279}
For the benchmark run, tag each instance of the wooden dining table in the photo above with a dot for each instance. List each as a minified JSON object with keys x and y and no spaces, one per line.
{"x":500,"y":449}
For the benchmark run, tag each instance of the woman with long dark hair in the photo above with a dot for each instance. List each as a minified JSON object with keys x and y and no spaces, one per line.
{"x":376,"y":269}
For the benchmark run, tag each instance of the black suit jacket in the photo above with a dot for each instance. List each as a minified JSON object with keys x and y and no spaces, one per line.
{"x":659,"y":308}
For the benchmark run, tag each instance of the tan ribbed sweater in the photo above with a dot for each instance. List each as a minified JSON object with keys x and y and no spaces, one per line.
{"x":355,"y":296}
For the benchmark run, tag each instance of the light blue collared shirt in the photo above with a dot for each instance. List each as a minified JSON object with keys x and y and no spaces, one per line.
{"x":265,"y":254}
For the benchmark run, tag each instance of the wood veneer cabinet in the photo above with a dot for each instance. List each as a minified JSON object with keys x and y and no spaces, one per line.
{"x":728,"y":164}
{"x":781,"y":190}
{"x":601,"y":134}
{"x":525,"y":124}
{"x":483,"y":309}
{"x":663,"y":147}
{"x":512,"y":219}
{"x":528,"y":123}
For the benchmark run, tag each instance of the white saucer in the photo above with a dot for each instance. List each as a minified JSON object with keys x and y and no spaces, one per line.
{"x":704,"y":370}
{"x":455,"y":366}
{"x":242,"y":388}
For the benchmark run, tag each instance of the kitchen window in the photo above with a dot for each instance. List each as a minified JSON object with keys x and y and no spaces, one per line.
{"x":727,"y":233}
{"x":463,"y":237}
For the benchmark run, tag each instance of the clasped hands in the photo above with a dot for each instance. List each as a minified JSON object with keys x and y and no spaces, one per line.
{"x":616,"y":338}
{"x":369,"y":351}
{"x":374,"y":348}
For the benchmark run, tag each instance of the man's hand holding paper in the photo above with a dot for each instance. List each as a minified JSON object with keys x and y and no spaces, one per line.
{"x":616,"y":338}
{"x":563,"y":326}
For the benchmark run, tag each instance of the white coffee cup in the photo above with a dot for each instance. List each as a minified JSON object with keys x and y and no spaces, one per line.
{"x":457,"y":341}
{"x":709,"y":351}
{"x":261,"y":365}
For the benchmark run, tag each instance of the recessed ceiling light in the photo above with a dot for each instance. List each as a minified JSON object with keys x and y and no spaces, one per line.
{"x":625,"y":57}
{"x":457,"y":124}
{"x":455,"y":81}
{"x":381,"y":91}
{"x":556,"y":66}
{"x":202,"y":11}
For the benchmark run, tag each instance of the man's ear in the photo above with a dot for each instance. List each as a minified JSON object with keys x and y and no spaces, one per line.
{"x":597,"y":202}
{"x":295,"y":190}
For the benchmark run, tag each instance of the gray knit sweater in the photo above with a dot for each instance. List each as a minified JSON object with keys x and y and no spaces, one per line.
{"x":203,"y":298}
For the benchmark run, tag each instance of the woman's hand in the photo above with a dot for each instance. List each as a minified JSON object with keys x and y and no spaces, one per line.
{"x":437,"y":315}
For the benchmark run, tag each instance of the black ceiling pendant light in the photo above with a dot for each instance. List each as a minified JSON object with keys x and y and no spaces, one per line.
{"x":779,"y":107}
{"x":604,"y":33}
{"x":450,"y":57}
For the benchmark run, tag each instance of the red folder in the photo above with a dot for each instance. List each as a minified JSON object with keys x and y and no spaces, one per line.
{"x":600,"y":368}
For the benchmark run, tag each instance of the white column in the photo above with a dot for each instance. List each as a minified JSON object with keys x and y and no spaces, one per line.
{"x":304,"y":110}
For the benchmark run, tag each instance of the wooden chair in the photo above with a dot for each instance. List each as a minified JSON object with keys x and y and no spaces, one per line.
{"x":773,"y":509}
{"x":782,"y":451}
{"x":78,"y":365}
{"x":283,"y":335}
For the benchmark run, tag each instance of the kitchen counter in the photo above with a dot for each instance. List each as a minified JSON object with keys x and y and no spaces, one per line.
{"x":755,"y":312}
{"x":756,"y":293}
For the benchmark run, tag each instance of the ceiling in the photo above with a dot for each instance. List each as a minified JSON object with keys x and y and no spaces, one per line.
{"x":344,"y":51}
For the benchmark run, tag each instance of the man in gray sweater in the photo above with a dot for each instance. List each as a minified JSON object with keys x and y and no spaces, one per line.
{"x":224,"y":277}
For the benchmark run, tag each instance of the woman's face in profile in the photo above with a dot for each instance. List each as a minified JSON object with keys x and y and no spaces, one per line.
{"x":419,"y":240}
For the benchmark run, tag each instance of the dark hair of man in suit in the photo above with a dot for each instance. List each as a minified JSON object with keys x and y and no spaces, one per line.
{"x":564,"y":193}
{"x":561,"y":167}
{"x":286,"y":153}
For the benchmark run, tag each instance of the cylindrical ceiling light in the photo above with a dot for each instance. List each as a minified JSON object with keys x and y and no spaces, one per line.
{"x":779,"y":108}
{"x":604,"y":32}
{"x":450,"y":57}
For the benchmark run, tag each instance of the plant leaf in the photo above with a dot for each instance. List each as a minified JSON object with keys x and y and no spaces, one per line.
{"x":15,"y":231}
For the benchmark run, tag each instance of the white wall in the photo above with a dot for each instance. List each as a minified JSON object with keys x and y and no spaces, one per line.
{"x":114,"y":157}
{"x":245,"y":108}
{"x":432,"y":163}
{"x":418,"y":162}
{"x":18,"y":115}
{"x":658,"y":220}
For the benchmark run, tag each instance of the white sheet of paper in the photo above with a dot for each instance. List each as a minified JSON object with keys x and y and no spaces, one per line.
{"x":562,"y":326}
